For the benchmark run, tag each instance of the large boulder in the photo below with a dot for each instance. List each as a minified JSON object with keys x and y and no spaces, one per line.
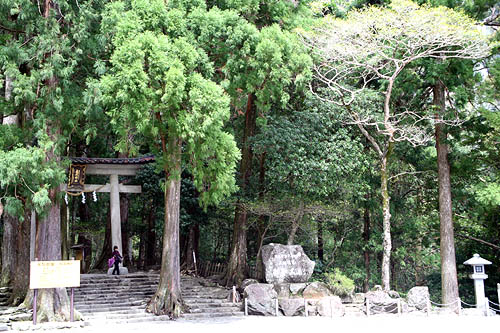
{"x":316,"y":290}
{"x":292,"y":306}
{"x":418,"y":297}
{"x":286,"y":263}
{"x":261,"y":299}
{"x":246,"y":283}
{"x":381,"y":302}
{"x":330,"y":307}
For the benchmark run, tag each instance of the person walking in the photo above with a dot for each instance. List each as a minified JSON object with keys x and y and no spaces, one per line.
{"x":118,"y":260}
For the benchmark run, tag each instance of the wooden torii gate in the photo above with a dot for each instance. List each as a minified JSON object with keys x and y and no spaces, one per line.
{"x":112,"y":167}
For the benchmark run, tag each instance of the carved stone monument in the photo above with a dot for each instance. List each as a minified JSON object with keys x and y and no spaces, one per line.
{"x":286,"y":264}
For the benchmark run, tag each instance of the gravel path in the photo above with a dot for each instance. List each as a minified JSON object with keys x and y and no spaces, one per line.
{"x":255,"y":324}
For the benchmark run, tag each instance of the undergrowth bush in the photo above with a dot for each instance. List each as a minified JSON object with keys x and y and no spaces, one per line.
{"x":339,"y":284}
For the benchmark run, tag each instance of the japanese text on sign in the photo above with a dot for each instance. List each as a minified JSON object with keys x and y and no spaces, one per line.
{"x":54,"y":274}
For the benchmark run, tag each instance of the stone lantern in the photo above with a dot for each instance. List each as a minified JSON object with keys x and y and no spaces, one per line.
{"x":478,"y":275}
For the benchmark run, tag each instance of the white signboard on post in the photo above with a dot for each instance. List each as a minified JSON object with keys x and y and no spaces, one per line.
{"x":54,"y":274}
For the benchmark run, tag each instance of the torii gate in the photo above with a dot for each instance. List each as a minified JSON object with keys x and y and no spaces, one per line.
{"x":112,"y":167}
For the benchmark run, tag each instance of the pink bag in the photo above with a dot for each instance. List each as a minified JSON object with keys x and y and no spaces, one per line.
{"x":111,"y":262}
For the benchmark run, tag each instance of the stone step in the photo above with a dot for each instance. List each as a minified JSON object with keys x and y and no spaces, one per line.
{"x":215,"y":310}
{"x":117,"y":281}
{"x":127,"y":301}
{"x":202,"y":299}
{"x":114,"y":284}
{"x":112,"y":316}
{"x":106,"y":308}
{"x":114,"y":294}
{"x":213,"y":305}
{"x":148,"y":318}
{"x":194,"y":316}
{"x":135,"y":310}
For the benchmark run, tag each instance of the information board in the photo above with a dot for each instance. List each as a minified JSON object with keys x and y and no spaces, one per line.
{"x":54,"y":274}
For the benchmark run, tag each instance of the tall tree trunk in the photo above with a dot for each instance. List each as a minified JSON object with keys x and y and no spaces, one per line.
{"x":8,"y":249}
{"x":151,"y":238}
{"x":20,"y":281}
{"x":386,"y":211}
{"x":295,"y":223}
{"x":124,"y":206}
{"x":321,"y":256}
{"x":12,"y":119}
{"x":366,"y":251}
{"x":168,"y":298}
{"x":141,"y":262}
{"x":53,"y":304}
{"x":261,"y":221}
{"x":102,"y":262}
{"x":237,"y":269}
{"x":64,"y":231}
{"x":449,"y":282}
{"x":190,"y":248}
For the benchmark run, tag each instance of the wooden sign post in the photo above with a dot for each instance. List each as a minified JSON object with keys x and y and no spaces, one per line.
{"x":54,"y":274}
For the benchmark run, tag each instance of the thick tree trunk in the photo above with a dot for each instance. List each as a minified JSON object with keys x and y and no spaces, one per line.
{"x":237,"y":269}
{"x":386,"y":211}
{"x":366,"y":251}
{"x":53,"y":304}
{"x":9,"y":249}
{"x":168,"y":298}
{"x":449,"y":282}
{"x":20,"y":281}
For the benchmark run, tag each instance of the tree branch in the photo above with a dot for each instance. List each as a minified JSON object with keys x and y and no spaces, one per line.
{"x":496,"y":247}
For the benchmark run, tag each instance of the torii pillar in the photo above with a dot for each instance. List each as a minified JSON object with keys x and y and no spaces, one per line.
{"x":113,"y":167}
{"x":114,"y":188}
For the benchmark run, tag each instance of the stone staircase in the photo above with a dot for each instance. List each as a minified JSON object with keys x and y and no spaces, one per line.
{"x":5,"y":293}
{"x":207,"y":300}
{"x":106,"y":299}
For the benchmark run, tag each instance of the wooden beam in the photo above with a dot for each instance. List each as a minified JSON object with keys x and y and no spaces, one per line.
{"x":107,"y":188}
{"x":113,"y":169}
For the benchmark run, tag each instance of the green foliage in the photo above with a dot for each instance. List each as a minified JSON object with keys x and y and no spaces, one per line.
{"x":159,"y":87}
{"x":309,"y":152}
{"x":338,"y":282}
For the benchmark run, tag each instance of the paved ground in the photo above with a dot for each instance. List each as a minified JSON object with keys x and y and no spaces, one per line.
{"x":255,"y":324}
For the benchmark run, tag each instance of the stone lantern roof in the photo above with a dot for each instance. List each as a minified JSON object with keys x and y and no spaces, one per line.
{"x":477,"y":260}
